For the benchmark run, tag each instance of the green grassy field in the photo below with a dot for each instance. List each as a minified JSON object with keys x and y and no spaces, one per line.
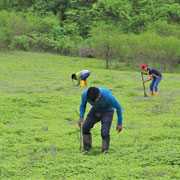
{"x":38,"y":132}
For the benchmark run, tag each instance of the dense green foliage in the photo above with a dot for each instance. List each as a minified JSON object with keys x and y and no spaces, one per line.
{"x":38,"y":132}
{"x":71,"y":27}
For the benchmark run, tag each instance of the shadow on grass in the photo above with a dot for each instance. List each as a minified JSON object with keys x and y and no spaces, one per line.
{"x":71,"y":121}
{"x":96,"y":151}
{"x":93,"y":152}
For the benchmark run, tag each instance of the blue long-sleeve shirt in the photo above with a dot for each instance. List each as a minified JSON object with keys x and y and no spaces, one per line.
{"x":107,"y":102}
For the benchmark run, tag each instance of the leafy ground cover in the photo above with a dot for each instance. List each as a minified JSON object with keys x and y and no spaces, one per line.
{"x":39,"y":138}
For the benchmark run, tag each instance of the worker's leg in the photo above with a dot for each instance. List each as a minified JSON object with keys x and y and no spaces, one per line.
{"x":152,"y":87}
{"x":85,"y":82}
{"x":156,"y":85}
{"x":106,"y":122}
{"x":87,"y":126}
{"x":82,"y":83}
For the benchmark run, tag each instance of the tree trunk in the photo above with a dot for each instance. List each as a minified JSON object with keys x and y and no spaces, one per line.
{"x":107,"y":56}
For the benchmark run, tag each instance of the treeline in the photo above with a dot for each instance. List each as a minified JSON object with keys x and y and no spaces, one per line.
{"x":115,"y":30}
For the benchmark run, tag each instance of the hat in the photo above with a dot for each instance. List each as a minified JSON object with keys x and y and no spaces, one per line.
{"x":143,"y":66}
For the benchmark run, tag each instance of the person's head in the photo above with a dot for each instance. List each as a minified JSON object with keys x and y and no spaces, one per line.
{"x":73,"y":76}
{"x":93,"y":94}
{"x":144,"y":67}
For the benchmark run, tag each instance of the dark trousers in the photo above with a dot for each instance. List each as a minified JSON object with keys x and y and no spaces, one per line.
{"x":93,"y":117}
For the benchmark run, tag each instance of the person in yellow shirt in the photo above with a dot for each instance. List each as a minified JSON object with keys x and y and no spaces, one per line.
{"x":81,"y":77}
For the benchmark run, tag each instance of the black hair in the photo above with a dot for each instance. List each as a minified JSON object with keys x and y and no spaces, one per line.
{"x":73,"y":76}
{"x":93,"y":93}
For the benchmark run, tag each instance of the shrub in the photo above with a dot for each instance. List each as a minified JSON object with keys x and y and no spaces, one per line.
{"x":20,"y":42}
{"x":164,"y":29}
{"x":133,"y":49}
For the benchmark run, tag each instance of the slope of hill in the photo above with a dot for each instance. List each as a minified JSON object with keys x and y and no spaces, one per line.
{"x":39,"y":138}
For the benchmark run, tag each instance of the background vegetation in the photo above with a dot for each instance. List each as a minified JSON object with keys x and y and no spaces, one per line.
{"x":117,"y":31}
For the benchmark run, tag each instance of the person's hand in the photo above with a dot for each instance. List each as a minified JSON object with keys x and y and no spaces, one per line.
{"x":80,"y":122}
{"x":119,"y":128}
{"x":149,"y":78}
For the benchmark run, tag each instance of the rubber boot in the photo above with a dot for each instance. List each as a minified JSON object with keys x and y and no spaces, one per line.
{"x":87,"y":142}
{"x":105,"y":145}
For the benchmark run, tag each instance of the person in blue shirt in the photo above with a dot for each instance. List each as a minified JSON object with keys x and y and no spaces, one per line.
{"x":102,"y":104}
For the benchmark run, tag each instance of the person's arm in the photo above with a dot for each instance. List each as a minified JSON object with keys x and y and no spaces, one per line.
{"x":144,"y":72}
{"x":148,"y":74}
{"x":78,"y":76}
{"x":82,"y":108}
{"x":149,"y":78}
{"x":78,"y":82}
{"x":117,"y":106}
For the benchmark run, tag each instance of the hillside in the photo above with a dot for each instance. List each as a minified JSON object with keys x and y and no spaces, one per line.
{"x":39,"y":138}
